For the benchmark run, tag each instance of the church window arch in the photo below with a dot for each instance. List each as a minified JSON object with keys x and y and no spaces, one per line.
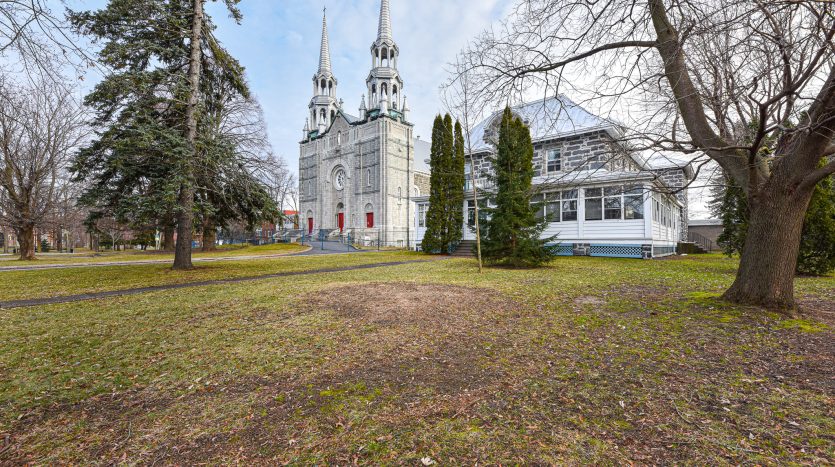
{"x":399,"y":193}
{"x":385,"y":57}
{"x":339,"y":138}
{"x":368,"y":177}
{"x":384,"y":90}
{"x":333,"y":115}
{"x":309,"y":188}
{"x":394,"y":96}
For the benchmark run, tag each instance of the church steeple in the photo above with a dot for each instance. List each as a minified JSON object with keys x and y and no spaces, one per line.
{"x":324,"y":105}
{"x":325,"y":48}
{"x":384,"y":30}
{"x":385,"y":87}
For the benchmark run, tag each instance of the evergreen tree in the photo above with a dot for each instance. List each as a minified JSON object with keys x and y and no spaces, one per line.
{"x":143,"y":166}
{"x":817,"y":243}
{"x":456,"y":187}
{"x":434,"y":238}
{"x":731,"y":206}
{"x":445,"y":217}
{"x":512,"y":230}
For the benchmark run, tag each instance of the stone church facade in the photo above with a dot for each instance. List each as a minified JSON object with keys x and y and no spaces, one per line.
{"x":357,"y":174}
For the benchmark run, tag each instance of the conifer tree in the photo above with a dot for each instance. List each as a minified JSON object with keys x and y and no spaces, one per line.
{"x":817,"y":243}
{"x":433,"y":239}
{"x":512,"y":231}
{"x":456,"y":187}
{"x":143,"y":165}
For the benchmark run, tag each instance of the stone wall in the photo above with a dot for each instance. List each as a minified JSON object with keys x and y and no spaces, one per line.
{"x":583,"y":152}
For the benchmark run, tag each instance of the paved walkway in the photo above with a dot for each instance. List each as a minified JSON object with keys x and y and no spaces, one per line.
{"x":328,"y":248}
{"x":158,"y":288}
{"x":336,"y":248}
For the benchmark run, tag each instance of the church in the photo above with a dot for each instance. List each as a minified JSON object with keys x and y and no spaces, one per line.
{"x":357,"y":174}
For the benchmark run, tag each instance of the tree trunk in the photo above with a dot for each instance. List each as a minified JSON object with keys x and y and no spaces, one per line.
{"x":769,"y":258}
{"x":26,"y":240}
{"x":168,"y":238}
{"x":209,"y":236}
{"x":59,"y":242}
{"x":185,"y":217}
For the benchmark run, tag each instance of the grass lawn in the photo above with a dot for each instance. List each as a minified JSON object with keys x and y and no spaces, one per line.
{"x":587,"y":361}
{"x":87,"y":256}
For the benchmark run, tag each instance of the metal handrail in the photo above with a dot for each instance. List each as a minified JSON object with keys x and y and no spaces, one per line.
{"x":700,"y":240}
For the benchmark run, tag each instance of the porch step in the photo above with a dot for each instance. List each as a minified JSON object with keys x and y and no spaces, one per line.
{"x":691,"y":248}
{"x":465,"y":249}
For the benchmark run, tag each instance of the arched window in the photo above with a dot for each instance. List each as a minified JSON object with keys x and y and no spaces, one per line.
{"x":385,"y":57}
{"x":368,"y":177}
{"x":373,"y":94}
{"x":394,"y":98}
{"x":399,"y":193}
{"x":309,"y":188}
{"x":330,"y":88}
{"x":323,"y":86}
{"x":339,"y":138}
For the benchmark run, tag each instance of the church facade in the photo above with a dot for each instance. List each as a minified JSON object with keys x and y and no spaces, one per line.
{"x":357,"y":174}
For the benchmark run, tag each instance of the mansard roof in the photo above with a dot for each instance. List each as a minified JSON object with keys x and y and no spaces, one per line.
{"x":550,"y":118}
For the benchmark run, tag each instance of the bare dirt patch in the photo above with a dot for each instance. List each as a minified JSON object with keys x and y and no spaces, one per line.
{"x":405,"y":304}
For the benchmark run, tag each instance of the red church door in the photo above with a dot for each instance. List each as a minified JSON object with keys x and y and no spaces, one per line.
{"x":309,"y":225}
{"x":340,"y":221}
{"x":369,"y":220}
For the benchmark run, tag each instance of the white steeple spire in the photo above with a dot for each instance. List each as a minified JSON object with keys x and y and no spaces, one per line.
{"x":324,"y":106}
{"x":325,"y":49}
{"x":384,"y":30}
{"x":385,"y":87}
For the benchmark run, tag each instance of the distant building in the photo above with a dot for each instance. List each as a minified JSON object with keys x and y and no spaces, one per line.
{"x":706,"y":229}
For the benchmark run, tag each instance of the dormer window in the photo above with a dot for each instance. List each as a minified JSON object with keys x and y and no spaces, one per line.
{"x":554,"y":160}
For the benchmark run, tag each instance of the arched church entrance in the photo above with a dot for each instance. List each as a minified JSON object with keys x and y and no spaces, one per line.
{"x":340,"y":217}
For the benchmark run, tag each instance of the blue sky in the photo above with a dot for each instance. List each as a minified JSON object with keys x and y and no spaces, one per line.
{"x":278,"y":43}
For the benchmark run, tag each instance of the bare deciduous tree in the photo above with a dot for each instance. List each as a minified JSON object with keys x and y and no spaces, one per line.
{"x":40,"y":125}
{"x":693,"y":76}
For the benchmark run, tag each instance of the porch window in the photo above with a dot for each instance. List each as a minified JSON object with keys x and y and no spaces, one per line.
{"x":569,"y":205}
{"x":633,"y":203}
{"x":613,"y":202}
{"x":471,"y":213}
{"x":421,"y":215}
{"x":538,"y":201}
{"x":554,"y":162}
{"x":594,"y":204}
{"x":552,"y":206}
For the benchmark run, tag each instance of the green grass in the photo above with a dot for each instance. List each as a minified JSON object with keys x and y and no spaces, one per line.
{"x":20,"y":285}
{"x":587,"y":361}
{"x":87,"y":256}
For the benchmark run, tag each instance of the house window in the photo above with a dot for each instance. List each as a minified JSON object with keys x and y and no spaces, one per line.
{"x":569,"y":205}
{"x":613,"y":203}
{"x":421,"y":215}
{"x":554,"y":161}
{"x":552,"y":206}
{"x":471,"y":213}
{"x":538,"y":200}
{"x":594,"y":204}
{"x":633,"y":202}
